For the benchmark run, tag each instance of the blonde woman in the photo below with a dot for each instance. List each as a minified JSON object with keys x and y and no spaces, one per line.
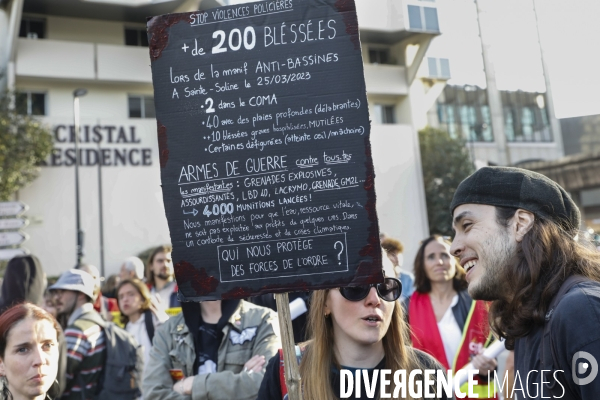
{"x":351,"y":328}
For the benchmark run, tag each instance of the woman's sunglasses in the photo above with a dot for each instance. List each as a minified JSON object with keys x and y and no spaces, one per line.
{"x":389,"y":290}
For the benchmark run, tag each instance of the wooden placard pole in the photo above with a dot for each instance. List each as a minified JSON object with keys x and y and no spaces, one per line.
{"x":291,"y":367}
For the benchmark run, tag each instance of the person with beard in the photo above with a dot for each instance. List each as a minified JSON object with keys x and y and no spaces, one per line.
{"x":73,"y":294}
{"x":161,"y":278}
{"x":103,"y":305}
{"x":517,"y":239}
{"x":212,"y":350}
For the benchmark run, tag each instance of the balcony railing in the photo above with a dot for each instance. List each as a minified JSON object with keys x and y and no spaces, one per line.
{"x":386,"y":79}
{"x":77,"y":60}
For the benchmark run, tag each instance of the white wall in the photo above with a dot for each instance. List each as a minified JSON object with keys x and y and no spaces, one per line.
{"x":68,"y":59}
{"x":86,"y":30}
{"x":45,"y":58}
{"x":385,"y":79}
{"x":134,"y":217}
{"x":381,"y":15}
{"x":400,"y":207}
{"x":518,"y":151}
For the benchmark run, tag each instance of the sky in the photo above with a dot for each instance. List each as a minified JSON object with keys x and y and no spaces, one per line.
{"x":569,"y":33}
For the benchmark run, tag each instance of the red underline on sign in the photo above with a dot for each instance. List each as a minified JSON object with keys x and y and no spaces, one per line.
{"x":206,"y":193}
{"x":235,"y":19}
{"x":336,"y":162}
{"x":234,"y":177}
{"x":337,"y":188}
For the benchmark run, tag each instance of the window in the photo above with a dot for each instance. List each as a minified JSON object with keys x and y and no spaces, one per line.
{"x":141,"y":107}
{"x":379,"y":56}
{"x":438,"y":67}
{"x":527,"y":123}
{"x":525,"y":118}
{"x":31,"y":103}
{"x":383,"y":114}
{"x":445,"y":67}
{"x":509,"y":123}
{"x":464,"y":113}
{"x":136,"y":37}
{"x":33,"y":28}
{"x":423,"y":18}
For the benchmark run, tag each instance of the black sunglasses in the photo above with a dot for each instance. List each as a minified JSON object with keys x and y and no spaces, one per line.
{"x":389,"y":290}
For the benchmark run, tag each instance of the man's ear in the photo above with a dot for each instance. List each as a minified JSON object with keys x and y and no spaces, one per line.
{"x":523,"y":220}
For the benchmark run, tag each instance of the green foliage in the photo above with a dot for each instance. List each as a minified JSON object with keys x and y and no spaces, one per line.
{"x":446,"y":162}
{"x":24,"y":144}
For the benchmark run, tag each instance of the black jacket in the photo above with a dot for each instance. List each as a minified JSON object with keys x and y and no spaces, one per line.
{"x":270,"y":389}
{"x":24,"y":280}
{"x":575,"y":334}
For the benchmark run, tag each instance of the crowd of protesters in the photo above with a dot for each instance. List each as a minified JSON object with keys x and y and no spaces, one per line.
{"x":516,"y":270}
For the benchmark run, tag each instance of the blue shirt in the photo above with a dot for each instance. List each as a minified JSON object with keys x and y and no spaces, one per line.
{"x":407,"y":281}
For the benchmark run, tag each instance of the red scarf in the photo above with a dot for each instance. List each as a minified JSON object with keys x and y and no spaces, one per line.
{"x":424,"y":331}
{"x":426,"y":337}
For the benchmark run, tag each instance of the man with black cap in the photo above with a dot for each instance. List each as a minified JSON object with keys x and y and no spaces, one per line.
{"x":516,"y":237}
{"x":73,"y":294}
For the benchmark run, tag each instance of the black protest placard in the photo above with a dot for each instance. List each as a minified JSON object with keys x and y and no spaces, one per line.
{"x":263,"y":131}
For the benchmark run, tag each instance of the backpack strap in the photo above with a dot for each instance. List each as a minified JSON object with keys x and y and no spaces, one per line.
{"x":94,"y":317}
{"x":548,"y":356}
{"x":149,"y":324}
{"x":299,"y":354}
{"x":82,"y":386}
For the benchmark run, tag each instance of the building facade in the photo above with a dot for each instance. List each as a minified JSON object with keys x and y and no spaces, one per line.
{"x":464,"y":112}
{"x":578,"y":170}
{"x":101,"y":46}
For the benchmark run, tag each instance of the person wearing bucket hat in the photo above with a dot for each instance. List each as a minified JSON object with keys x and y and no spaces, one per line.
{"x":73,"y":295}
{"x":516,"y":237}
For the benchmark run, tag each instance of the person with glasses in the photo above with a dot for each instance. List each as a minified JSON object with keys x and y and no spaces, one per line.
{"x":445,"y":322}
{"x":351,"y":328}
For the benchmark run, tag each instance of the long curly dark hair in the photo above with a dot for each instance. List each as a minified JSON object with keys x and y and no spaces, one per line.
{"x":547,"y":256}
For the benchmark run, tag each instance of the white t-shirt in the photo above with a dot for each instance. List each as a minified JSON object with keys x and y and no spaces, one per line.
{"x":138,"y":331}
{"x":450,"y":332}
